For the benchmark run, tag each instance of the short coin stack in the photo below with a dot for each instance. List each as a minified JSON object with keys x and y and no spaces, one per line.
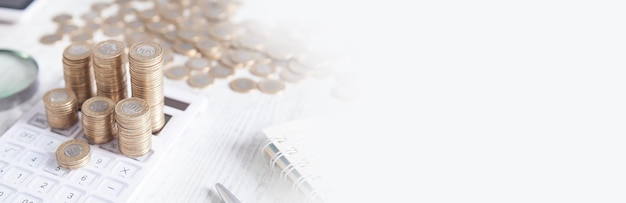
{"x":98,"y":119}
{"x":146,"y":77}
{"x":61,"y":108}
{"x":73,"y":154}
{"x":110,"y":69}
{"x":77,"y":70}
{"x":133,"y":126}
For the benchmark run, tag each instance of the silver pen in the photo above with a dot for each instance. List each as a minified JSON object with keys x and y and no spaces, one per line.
{"x":225,"y":194}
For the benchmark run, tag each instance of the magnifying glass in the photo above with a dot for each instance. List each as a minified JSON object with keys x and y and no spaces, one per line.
{"x":18,"y":78}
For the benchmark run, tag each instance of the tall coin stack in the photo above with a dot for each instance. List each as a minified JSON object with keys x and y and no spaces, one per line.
{"x":146,"y":76}
{"x":61,"y":108}
{"x":110,"y":69}
{"x":77,"y":70}
{"x":98,"y":119}
{"x":133,"y":126}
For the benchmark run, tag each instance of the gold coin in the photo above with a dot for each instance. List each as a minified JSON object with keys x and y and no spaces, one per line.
{"x":67,"y":29}
{"x":198,"y":64}
{"x":100,"y":6}
{"x":73,"y":154}
{"x":292,"y":77}
{"x":91,"y":17}
{"x":81,"y":37}
{"x":242,"y":85}
{"x":200,"y":80}
{"x":263,"y":69}
{"x":149,"y":15}
{"x":61,"y":108}
{"x":185,"y":48}
{"x":270,"y":86}
{"x":98,"y":119}
{"x":221,"y":71}
{"x":62,"y":18}
{"x":50,"y":39}
{"x":112,"y":30}
{"x":177,"y":73}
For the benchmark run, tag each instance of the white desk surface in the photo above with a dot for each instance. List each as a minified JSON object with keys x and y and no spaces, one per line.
{"x":221,"y":145}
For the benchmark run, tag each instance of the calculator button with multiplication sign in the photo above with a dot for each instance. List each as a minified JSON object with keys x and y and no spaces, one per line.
{"x":29,"y":172}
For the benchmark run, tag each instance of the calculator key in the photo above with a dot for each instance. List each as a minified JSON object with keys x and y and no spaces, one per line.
{"x":42,"y":185}
{"x":67,"y":132}
{"x":68,"y":194}
{"x":39,"y":120}
{"x":3,"y":166}
{"x":33,"y":159}
{"x":84,"y":177}
{"x":53,"y":168}
{"x":16,"y":175}
{"x":48,"y":144}
{"x":111,"y":187}
{"x":145,"y":157}
{"x":99,"y":161}
{"x":26,"y":136}
{"x":9,"y":150}
{"x":26,"y":198}
{"x":125,"y":170}
{"x":93,"y":199}
{"x":5,"y":192}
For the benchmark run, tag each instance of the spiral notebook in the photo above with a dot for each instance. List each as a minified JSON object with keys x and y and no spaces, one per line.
{"x":305,"y":154}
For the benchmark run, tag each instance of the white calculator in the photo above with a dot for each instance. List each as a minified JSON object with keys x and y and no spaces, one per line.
{"x":29,"y":172}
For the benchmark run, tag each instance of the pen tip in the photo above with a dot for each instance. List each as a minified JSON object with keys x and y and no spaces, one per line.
{"x":225,"y":194}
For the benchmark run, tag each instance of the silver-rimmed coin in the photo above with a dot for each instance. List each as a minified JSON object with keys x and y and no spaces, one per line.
{"x":242,"y":85}
{"x":177,"y":73}
{"x":271,"y":86}
{"x":200,"y":80}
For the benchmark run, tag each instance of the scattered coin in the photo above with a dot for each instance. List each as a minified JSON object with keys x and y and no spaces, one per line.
{"x":177,"y":73}
{"x":221,"y":71}
{"x":262,"y":69}
{"x":198,"y":64}
{"x":50,"y":39}
{"x":270,"y":86}
{"x":62,"y":18}
{"x":200,"y":80}
{"x":242,"y":85}
{"x":291,"y":77}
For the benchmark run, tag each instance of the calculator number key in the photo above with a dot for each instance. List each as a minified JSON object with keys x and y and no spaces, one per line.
{"x":68,"y":194}
{"x":53,"y":168}
{"x":42,"y":185}
{"x":16,"y":175}
{"x":99,"y":161}
{"x":48,"y":144}
{"x":24,"y":198}
{"x":84,"y":177}
{"x":33,"y":159}
{"x":5,"y":192}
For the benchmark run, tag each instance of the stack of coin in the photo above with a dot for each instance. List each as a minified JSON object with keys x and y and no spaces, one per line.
{"x":73,"y":154}
{"x":98,"y":119}
{"x":61,"y":108}
{"x":146,"y":77}
{"x":110,"y":69}
{"x":133,"y":126}
{"x":77,"y":70}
